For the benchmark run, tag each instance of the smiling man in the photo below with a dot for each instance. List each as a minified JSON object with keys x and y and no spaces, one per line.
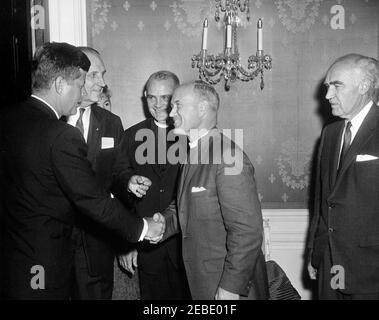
{"x":161,"y":269}
{"x":49,"y":180}
{"x":102,"y":130}
{"x":344,"y":240}
{"x":219,"y":211}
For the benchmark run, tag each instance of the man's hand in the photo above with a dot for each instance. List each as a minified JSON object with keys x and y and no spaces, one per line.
{"x":312,"y":272}
{"x":156,"y":228}
{"x":129,"y":261}
{"x":223,"y":294}
{"x":138,"y":185}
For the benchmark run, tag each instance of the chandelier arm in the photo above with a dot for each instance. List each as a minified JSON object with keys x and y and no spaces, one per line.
{"x":250,"y":75}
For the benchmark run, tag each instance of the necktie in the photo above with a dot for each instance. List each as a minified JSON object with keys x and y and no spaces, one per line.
{"x":346,"y":142}
{"x":79,"y":122}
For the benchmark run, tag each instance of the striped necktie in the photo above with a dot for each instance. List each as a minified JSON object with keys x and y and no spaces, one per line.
{"x":346,"y":142}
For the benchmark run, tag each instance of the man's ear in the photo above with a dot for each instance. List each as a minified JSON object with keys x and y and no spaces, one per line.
{"x":203,"y":107}
{"x":364,"y":86}
{"x":59,"y":83}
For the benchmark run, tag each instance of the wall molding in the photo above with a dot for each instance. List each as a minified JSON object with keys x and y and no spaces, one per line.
{"x":285,"y":229}
{"x":68,"y":21}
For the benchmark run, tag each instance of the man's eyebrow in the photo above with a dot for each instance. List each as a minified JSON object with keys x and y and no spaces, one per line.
{"x":333,"y":82}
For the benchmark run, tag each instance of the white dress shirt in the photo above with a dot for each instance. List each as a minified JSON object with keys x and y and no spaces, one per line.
{"x":85,"y":118}
{"x":356,"y":123}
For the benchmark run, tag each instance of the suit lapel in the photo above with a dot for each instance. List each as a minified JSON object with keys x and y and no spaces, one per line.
{"x":95,"y":132}
{"x":189,"y":170}
{"x":363,"y":135}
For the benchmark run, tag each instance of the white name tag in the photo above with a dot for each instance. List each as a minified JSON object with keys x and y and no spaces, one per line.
{"x":107,"y":143}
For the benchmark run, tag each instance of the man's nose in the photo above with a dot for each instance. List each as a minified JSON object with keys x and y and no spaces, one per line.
{"x":101,"y":81}
{"x":172,"y":112}
{"x":161,"y":102}
{"x":329,"y":93}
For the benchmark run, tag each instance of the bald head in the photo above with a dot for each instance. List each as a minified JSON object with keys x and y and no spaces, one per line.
{"x":95,"y":77}
{"x":194,"y":106}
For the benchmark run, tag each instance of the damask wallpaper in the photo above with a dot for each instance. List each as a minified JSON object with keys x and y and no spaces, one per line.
{"x":282,"y":123}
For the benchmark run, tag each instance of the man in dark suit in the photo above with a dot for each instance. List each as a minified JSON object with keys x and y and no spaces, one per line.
{"x":102,"y":130}
{"x":47,"y":175}
{"x":218,"y":206}
{"x":344,"y":238}
{"x":161,"y":270}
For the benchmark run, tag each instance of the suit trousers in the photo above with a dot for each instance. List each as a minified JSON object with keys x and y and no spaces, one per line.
{"x":170,"y":283}
{"x":87,"y":286}
{"x":325,"y":290}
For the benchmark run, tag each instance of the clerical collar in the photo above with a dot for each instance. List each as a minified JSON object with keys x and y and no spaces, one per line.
{"x":48,"y":104}
{"x":200,"y":134}
{"x":160,"y":125}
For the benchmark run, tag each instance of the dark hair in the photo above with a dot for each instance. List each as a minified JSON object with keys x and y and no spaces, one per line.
{"x":207,"y":92}
{"x":89,"y":50}
{"x":54,"y":59}
{"x":163,"y":75}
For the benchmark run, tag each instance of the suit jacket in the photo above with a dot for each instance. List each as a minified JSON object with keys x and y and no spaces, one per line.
{"x":347,"y":205}
{"x":97,"y":240}
{"x":159,"y":196}
{"x":221,"y":224}
{"x":47,"y":176}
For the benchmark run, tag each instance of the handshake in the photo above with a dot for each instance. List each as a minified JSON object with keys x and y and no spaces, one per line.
{"x":156,"y":228}
{"x":139,"y":185}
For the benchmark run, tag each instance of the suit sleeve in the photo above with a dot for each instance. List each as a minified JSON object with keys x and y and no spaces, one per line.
{"x":78,"y":182}
{"x":123,"y":170}
{"x":242,"y":216}
{"x":172,"y":223}
{"x":317,"y":198}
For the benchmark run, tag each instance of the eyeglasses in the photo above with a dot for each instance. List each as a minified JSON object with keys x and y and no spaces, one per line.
{"x":154,"y":99}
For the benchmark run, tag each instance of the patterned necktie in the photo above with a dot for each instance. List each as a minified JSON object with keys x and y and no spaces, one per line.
{"x":79,"y":123}
{"x":346,"y":142}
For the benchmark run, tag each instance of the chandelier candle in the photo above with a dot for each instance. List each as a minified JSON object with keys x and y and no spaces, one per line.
{"x":259,"y":40}
{"x":229,"y":33}
{"x":205,"y":35}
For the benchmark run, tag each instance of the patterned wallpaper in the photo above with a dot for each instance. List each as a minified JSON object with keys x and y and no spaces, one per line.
{"x":282,"y":123}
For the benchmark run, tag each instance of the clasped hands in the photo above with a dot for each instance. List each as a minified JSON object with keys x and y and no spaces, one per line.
{"x":156,"y":228}
{"x":139,"y":185}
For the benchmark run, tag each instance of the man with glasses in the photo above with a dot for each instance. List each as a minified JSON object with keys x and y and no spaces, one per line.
{"x":161,"y":270}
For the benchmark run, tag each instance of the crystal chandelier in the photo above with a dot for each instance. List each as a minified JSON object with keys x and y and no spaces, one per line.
{"x":227,"y":64}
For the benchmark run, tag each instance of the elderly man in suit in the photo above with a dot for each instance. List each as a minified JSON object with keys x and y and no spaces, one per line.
{"x":218,"y":207}
{"x":102,"y":131}
{"x":344,"y":238}
{"x":160,"y":267}
{"x":48,"y":178}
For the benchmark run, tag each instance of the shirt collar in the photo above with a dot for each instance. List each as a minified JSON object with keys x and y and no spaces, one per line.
{"x":45,"y":102}
{"x":160,"y":125}
{"x":200,"y":134}
{"x":358,"y":118}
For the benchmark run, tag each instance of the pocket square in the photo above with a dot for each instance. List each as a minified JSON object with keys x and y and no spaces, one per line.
{"x":365,"y":157}
{"x":107,"y":143}
{"x":197,"y":189}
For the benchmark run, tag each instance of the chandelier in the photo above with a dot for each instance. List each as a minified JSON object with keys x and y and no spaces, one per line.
{"x":227,"y":64}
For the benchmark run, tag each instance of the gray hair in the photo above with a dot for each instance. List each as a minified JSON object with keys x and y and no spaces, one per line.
{"x":208,"y":93}
{"x":367,"y":65}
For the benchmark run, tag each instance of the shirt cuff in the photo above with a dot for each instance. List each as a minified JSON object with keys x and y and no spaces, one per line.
{"x":144,"y":230}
